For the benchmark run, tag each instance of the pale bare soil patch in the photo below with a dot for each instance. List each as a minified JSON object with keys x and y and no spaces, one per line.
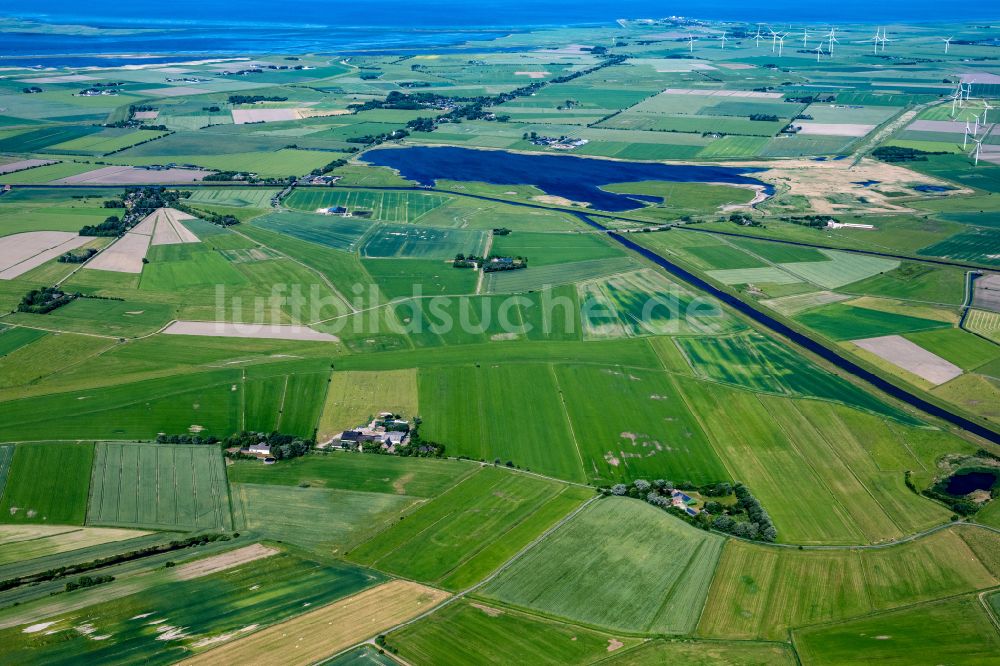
{"x":169,"y":230}
{"x":558,"y":201}
{"x":146,"y":115}
{"x":722,"y":93}
{"x":222,"y":329}
{"x":532,"y":75}
{"x":126,"y":175}
{"x":227,"y":560}
{"x":830,"y":185}
{"x":243,"y":116}
{"x":19,"y":253}
{"x":313,"y":636}
{"x":796,"y":303}
{"x":987,"y":293}
{"x":21,"y":165}
{"x":911,"y":357}
{"x":942,"y":126}
{"x":834,"y":129}
{"x":125,"y":255}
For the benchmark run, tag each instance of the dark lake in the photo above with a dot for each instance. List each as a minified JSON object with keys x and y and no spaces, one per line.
{"x":575,"y":178}
{"x":967,"y":482}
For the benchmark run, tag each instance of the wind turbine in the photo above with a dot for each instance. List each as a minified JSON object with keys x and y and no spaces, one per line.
{"x":885,"y":40}
{"x":774,"y":39}
{"x":781,"y":43}
{"x":986,"y":109}
{"x":947,"y":43}
{"x":723,"y":38}
{"x":832,"y":35}
{"x":976,"y":151}
{"x":876,"y":37}
{"x":956,"y":97}
{"x":758,"y":36}
{"x":965,"y":138}
{"x":805,"y":37}
{"x":691,"y":42}
{"x":819,"y":51}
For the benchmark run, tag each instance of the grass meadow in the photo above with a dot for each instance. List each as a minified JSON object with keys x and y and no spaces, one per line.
{"x":953,"y":631}
{"x":662,"y":570}
{"x":475,"y":632}
{"x":762,"y":592}
{"x":47,"y":483}
{"x":470,"y":529}
{"x":170,"y":620}
{"x":835,"y":486}
{"x":161,"y":486}
{"x":391,"y":475}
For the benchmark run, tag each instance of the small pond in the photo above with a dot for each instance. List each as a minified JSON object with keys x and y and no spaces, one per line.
{"x":963,"y":483}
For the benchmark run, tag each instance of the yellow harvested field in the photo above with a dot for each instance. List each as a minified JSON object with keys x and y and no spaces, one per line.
{"x":354,"y":396}
{"x":227,"y":560}
{"x":324,"y":632}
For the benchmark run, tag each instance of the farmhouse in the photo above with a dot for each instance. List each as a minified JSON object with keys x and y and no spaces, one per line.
{"x":683,"y":502}
{"x":848,"y":225}
{"x":386,"y":431}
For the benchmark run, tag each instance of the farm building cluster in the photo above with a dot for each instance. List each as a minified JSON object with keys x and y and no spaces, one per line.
{"x":387,"y":431}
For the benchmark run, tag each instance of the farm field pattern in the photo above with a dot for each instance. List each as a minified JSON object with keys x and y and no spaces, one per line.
{"x":634,"y":342}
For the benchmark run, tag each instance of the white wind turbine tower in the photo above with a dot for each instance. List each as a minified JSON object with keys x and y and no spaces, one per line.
{"x":965,"y":138}
{"x":758,"y":36}
{"x":723,"y":39}
{"x":819,"y":51}
{"x":947,"y":43}
{"x":832,"y":36}
{"x":976,"y":151}
{"x":986,"y":110}
{"x":805,"y":37}
{"x":691,"y":43}
{"x":876,"y":37}
{"x":774,"y":39}
{"x":885,"y":40}
{"x":781,"y":43}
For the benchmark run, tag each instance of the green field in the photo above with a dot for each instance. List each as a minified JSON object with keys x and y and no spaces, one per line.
{"x":239,"y":198}
{"x":840,"y":321}
{"x":163,"y":486}
{"x":471,"y":632}
{"x":466,"y":532}
{"x":405,"y":207}
{"x":648,"y":432}
{"x":956,"y":631}
{"x":12,"y":339}
{"x":762,"y":592}
{"x":511,"y":412}
{"x":326,"y":521}
{"x":836,"y":485}
{"x":976,"y":245}
{"x":339,"y":233}
{"x":413,"y":477}
{"x":759,"y":364}
{"x":662,"y":567}
{"x":47,"y":483}
{"x":406,"y":242}
{"x":195,"y":612}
